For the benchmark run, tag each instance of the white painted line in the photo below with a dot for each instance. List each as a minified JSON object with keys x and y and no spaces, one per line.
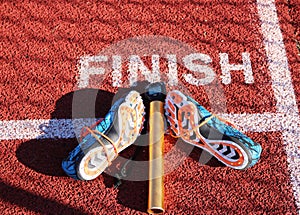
{"x":283,"y":88}
{"x":277,"y":59}
{"x":42,"y":128}
{"x":286,"y":119}
{"x":66,"y":128}
{"x":265,"y":122}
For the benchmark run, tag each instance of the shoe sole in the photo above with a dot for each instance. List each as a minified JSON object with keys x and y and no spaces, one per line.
{"x":130,"y":123}
{"x":183,"y":117}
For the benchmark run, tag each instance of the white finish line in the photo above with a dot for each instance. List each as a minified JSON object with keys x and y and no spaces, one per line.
{"x":42,"y":128}
{"x":67,"y":128}
{"x":286,"y":120}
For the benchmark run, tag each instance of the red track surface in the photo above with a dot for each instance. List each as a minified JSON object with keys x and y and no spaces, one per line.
{"x":41,"y":43}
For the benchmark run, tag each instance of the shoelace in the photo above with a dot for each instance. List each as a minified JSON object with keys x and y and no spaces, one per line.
{"x":94,"y":134}
{"x":84,"y":134}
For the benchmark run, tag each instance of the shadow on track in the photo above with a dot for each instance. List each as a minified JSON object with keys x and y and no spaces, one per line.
{"x":34,"y":202}
{"x":45,"y":155}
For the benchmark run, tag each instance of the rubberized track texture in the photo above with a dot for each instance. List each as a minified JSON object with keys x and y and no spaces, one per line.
{"x":48,"y":47}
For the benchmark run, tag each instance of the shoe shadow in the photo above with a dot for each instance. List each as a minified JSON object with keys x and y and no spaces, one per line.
{"x":184,"y":150}
{"x":205,"y":158}
{"x":131,"y":193}
{"x":44,"y":155}
{"x":134,"y":194}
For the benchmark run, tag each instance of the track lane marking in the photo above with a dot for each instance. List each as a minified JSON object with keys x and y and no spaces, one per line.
{"x":283,"y":89}
{"x":67,"y":128}
{"x":286,"y":120}
{"x":43,"y":128}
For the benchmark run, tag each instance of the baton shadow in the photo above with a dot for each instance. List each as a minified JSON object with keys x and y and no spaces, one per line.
{"x":131,"y":194}
{"x":134,"y":194}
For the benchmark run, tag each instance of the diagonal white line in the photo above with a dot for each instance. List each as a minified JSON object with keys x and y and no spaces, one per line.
{"x":277,"y":59}
{"x":283,"y":89}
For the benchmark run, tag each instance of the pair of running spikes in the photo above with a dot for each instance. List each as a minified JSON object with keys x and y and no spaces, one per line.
{"x":187,"y":119}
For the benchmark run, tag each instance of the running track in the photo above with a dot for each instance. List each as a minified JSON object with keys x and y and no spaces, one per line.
{"x":43,"y":45}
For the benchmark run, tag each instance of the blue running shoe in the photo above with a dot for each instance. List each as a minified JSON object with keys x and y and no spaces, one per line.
{"x":197,"y":126}
{"x":101,"y":144}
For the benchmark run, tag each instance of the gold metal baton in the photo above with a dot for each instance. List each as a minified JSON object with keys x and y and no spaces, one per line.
{"x":156,"y":168}
{"x":156,"y":148}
